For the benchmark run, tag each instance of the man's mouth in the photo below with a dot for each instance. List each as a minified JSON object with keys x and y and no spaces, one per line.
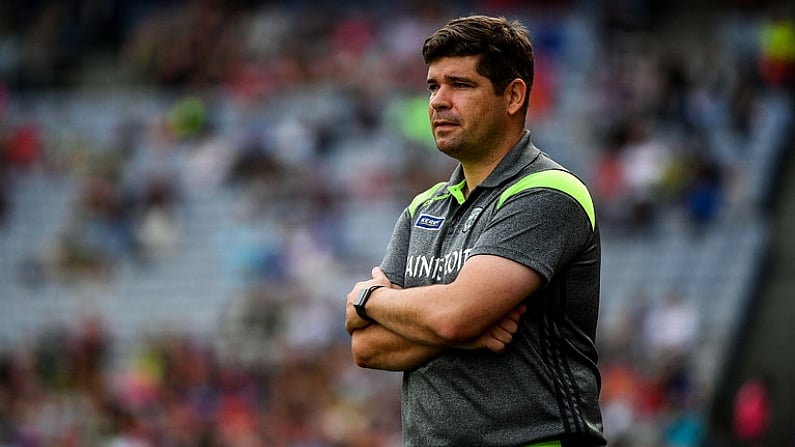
{"x":443,"y":124}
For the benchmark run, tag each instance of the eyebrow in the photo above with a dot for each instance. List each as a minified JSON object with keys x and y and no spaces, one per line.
{"x":452,"y":78}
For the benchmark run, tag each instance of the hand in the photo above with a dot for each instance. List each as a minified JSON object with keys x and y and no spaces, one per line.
{"x":499,"y":336}
{"x":352,"y":319}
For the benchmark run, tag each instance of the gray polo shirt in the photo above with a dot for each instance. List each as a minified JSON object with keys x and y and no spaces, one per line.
{"x":546,"y":384}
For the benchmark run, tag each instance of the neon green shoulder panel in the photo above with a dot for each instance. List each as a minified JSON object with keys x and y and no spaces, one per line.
{"x":424,"y":196}
{"x":560,"y":180}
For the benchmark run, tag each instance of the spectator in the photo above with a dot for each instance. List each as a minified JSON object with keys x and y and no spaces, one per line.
{"x":671,"y":328}
{"x":752,"y":411}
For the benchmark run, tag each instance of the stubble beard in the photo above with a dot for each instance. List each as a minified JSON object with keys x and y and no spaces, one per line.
{"x":454,"y":146}
{"x":463,"y":147}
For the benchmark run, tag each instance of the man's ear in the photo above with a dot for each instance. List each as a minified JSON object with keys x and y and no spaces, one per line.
{"x":516,"y":96}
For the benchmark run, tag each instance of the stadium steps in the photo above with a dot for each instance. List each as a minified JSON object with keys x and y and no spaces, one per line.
{"x":713,"y":272}
{"x":39,"y":207}
{"x":183,"y":290}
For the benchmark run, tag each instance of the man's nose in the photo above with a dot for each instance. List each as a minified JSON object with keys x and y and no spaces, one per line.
{"x":440,"y":99}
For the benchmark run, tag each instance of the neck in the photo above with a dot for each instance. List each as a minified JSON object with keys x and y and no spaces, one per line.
{"x":476,"y":170}
{"x":475,"y":174}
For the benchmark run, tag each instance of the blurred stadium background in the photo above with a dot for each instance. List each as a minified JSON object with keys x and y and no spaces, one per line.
{"x":189,"y":188}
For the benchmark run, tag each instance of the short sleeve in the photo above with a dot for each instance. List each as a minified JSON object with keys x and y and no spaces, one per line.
{"x":394,"y":262}
{"x":541,"y":228}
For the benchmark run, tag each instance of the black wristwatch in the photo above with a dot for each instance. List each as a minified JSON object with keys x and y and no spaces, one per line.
{"x":361,"y":300}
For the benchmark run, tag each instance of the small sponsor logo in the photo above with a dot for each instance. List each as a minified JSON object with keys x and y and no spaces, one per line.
{"x":429,"y":222}
{"x":473,"y":216}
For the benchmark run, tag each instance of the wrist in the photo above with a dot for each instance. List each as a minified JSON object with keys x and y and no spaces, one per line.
{"x":362,"y":299}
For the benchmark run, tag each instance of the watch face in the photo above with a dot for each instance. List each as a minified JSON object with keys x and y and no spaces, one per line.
{"x":362,"y":295}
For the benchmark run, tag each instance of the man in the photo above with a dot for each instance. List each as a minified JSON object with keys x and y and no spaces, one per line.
{"x":488,"y":295}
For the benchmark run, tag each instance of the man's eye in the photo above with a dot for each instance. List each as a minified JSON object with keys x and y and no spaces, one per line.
{"x":433,"y":87}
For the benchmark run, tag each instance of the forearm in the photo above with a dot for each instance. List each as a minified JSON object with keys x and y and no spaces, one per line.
{"x":401,"y":312}
{"x":376,"y":347}
{"x":481,"y":309}
{"x":486,"y":290}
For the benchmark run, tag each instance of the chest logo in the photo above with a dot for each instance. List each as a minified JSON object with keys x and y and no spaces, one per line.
{"x":429,"y":222}
{"x":473,"y":216}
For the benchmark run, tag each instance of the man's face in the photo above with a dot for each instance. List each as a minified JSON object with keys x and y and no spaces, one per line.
{"x":467,"y":117}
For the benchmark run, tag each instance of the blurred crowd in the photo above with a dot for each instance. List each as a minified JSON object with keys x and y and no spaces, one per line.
{"x":174,"y":391}
{"x":298,"y":110}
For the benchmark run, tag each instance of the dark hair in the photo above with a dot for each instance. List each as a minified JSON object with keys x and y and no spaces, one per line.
{"x":503,"y":46}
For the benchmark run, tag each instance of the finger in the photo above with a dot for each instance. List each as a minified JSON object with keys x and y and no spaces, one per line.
{"x":351,"y":297}
{"x":496,"y":347}
{"x":494,"y":344}
{"x":514,"y":316}
{"x":508,"y":325}
{"x":348,"y":324}
{"x":517,"y":312}
{"x":353,"y":321}
{"x":508,"y":321}
{"x":378,"y":274}
{"x":502,"y":335}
